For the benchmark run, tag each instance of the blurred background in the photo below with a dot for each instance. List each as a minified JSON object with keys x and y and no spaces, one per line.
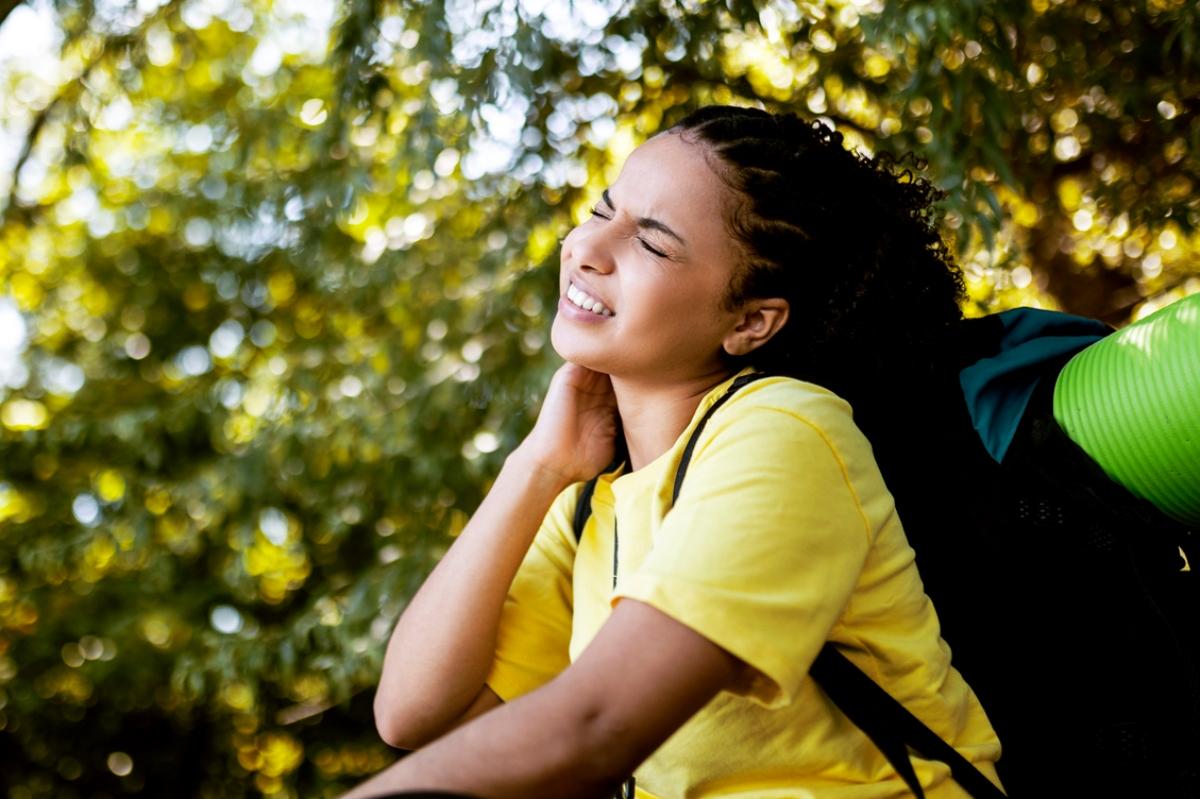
{"x":276,"y":281}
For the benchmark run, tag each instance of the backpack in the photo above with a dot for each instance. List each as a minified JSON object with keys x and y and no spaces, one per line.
{"x":1066,"y":601}
{"x":1069,"y":604}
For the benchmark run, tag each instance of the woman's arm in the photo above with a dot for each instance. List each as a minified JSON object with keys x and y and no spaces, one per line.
{"x":642,"y":677}
{"x":442,"y":647}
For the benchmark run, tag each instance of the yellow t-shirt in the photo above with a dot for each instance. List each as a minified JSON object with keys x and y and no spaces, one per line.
{"x":783,"y":537}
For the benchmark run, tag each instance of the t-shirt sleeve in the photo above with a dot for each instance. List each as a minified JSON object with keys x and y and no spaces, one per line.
{"x":767,"y":540}
{"x":535,"y":623}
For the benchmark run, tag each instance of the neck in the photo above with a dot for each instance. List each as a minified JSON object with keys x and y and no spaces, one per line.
{"x":653,"y":415}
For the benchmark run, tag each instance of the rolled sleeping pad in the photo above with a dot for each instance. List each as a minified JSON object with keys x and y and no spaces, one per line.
{"x":1132,"y":402}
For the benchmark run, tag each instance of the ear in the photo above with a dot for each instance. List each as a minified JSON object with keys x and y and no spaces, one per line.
{"x":758,"y":321}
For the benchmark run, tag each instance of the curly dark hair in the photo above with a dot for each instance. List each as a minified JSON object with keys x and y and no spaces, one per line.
{"x":849,"y":241}
{"x":852,"y":244}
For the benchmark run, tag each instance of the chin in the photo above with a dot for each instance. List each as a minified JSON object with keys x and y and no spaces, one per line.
{"x":571,"y":351}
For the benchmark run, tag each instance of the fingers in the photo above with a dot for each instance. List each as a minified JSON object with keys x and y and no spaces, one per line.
{"x":584,"y":380}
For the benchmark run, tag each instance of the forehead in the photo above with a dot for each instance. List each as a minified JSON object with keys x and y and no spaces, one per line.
{"x":671,"y":179}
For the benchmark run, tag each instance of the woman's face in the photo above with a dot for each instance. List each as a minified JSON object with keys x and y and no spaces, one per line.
{"x":656,"y":254}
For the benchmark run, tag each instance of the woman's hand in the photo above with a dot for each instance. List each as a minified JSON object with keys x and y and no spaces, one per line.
{"x":575,"y":434}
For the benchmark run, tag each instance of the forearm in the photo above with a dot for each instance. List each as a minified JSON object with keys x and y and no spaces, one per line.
{"x":541,"y":745}
{"x":642,"y":677}
{"x":441,"y":649}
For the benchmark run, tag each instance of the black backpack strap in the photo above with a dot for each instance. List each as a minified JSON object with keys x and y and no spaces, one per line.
{"x":891,"y":727}
{"x":583,"y":507}
{"x":691,"y":445}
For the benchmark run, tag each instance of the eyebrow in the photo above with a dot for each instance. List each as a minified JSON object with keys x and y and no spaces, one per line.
{"x":646,"y":222}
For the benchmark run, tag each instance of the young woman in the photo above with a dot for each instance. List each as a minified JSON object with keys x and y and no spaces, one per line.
{"x":673,"y":642}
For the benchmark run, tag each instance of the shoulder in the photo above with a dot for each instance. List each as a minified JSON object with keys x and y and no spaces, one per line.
{"x":789,"y":393}
{"x":786,"y":426}
{"x":784,"y":402}
{"x":793,"y":445}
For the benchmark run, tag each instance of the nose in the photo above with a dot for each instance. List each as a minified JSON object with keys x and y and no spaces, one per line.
{"x":588,"y":247}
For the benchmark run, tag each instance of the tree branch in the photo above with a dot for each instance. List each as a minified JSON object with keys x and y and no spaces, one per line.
{"x":68,"y":94}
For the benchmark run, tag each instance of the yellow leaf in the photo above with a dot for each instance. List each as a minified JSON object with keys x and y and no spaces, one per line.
{"x":876,"y":66}
{"x":27,"y":291}
{"x":110,"y":485}
{"x":1070,"y":194}
{"x":100,"y":552}
{"x":281,"y":286}
{"x":12,"y":506}
{"x":543,"y":239}
{"x":281,"y":754}
{"x":158,"y":501}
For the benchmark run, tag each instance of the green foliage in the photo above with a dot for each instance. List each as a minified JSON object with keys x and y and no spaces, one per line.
{"x":275,"y":285}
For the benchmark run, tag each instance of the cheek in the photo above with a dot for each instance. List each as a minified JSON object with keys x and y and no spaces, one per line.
{"x":693,"y":313}
{"x":664,"y":299}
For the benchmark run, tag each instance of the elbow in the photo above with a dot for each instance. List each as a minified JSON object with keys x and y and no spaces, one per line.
{"x":398,"y":726}
{"x":389,"y":724}
{"x":415,"y":718}
{"x":392,"y":733}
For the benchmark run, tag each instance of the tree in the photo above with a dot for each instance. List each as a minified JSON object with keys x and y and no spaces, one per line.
{"x":275,"y":281}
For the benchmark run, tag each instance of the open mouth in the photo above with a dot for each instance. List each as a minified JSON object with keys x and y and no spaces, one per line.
{"x":586,"y":301}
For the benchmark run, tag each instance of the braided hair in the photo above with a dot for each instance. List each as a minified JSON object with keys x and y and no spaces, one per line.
{"x":852,"y":244}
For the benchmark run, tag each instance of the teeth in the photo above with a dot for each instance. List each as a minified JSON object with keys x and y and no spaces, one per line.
{"x":586,"y":302}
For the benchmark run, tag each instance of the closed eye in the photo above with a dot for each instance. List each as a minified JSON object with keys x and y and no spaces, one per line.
{"x":647,"y":246}
{"x":650,"y":249}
